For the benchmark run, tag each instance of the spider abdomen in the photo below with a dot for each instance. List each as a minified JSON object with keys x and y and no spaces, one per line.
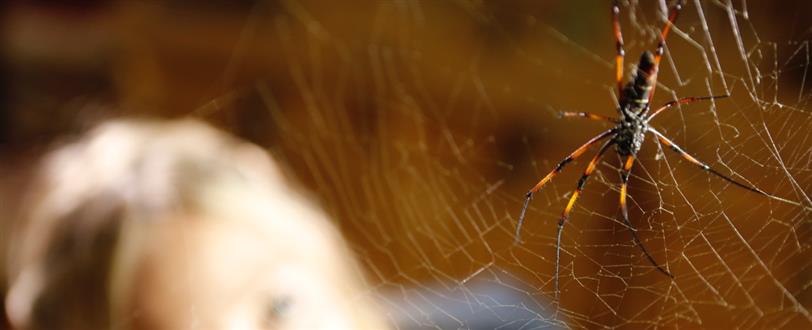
{"x":630,"y":136}
{"x":635,"y":95}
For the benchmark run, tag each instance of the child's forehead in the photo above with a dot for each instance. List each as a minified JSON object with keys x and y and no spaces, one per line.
{"x":228,"y":268}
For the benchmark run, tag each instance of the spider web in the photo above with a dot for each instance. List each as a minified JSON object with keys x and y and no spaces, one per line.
{"x":420,"y":126}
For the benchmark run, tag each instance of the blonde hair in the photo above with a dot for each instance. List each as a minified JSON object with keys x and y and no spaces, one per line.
{"x":103,"y":202}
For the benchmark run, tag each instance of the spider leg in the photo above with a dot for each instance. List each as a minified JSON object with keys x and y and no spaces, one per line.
{"x":624,"y":178}
{"x":684,"y":100}
{"x":702,"y":165}
{"x":574,"y":155}
{"x":566,"y":214}
{"x":658,"y":53}
{"x":618,"y":47}
{"x":588,"y":115}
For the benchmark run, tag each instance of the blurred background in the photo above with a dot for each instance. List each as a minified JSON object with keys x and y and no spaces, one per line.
{"x":419,"y":125}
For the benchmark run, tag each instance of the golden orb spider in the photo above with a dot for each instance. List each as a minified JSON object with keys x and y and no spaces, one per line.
{"x":628,"y":134}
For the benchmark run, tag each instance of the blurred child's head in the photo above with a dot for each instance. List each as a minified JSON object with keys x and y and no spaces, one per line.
{"x":174,"y":225}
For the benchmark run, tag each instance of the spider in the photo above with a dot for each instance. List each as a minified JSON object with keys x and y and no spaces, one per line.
{"x":628,"y":134}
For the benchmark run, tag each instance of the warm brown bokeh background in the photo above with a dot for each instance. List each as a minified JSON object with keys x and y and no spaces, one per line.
{"x":419,"y":126}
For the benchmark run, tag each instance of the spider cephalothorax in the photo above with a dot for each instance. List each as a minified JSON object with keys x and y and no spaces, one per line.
{"x":627,"y":135}
{"x":630,"y":134}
